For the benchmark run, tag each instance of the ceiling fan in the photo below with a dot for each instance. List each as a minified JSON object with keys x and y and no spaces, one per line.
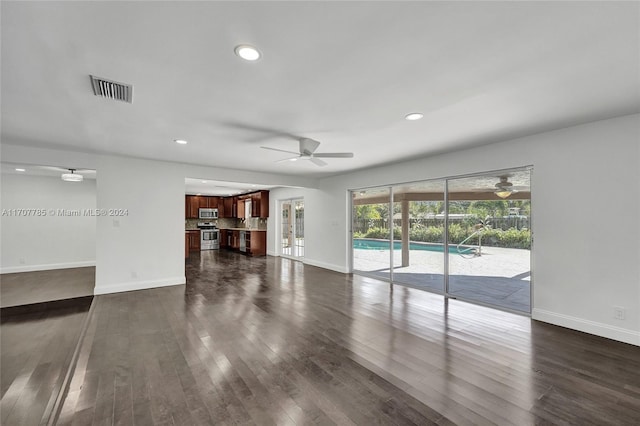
{"x":504,"y":188}
{"x":70,"y":174}
{"x":307,"y":148}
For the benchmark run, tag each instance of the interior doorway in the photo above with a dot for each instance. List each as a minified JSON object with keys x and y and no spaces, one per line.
{"x":292,"y":228}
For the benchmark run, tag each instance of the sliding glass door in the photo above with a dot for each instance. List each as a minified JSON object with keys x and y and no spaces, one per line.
{"x":399,"y":235}
{"x":490,"y":239}
{"x":418,"y":256}
{"x":371,"y":232}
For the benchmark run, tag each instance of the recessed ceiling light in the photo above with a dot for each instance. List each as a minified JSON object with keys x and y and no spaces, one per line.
{"x":180,"y":141}
{"x":198,"y":193}
{"x":21,"y":170}
{"x":204,"y":181}
{"x":413,"y":116}
{"x":293,"y":159}
{"x":248,"y":53}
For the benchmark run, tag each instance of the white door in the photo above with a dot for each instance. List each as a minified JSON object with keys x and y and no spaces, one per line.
{"x":292,"y":228}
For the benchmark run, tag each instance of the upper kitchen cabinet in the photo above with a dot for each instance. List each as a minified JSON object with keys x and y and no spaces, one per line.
{"x":260,"y":204}
{"x":191,"y":206}
{"x":230,"y":207}
{"x":209,"y":202}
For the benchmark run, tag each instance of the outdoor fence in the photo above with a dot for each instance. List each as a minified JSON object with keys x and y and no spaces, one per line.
{"x":504,"y":223}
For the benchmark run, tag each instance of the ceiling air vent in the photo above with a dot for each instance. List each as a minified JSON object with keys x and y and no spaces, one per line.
{"x":112,"y":89}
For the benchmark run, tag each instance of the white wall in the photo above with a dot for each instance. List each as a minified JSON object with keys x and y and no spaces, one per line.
{"x":34,"y":243}
{"x":145,"y":247}
{"x":585,"y":198}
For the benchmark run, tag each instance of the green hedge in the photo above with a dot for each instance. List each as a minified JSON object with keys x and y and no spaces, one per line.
{"x":511,"y":238}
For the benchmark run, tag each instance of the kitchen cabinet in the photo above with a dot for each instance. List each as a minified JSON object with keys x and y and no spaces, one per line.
{"x":224,"y":239}
{"x":260,"y":204}
{"x":257,"y":243}
{"x":186,"y":245}
{"x":235,"y":240}
{"x":194,"y":240}
{"x":240,"y":208}
{"x":208,"y":202}
{"x":191,"y":206}
{"x":230,"y":206}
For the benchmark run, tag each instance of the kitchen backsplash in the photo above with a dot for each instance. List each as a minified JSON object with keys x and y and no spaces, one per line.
{"x":251,"y":223}
{"x":227,"y":223}
{"x":191,"y":223}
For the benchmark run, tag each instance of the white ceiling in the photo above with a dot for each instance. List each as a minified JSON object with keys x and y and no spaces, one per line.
{"x":195,"y":186}
{"x":42,"y":170}
{"x":344,"y":73}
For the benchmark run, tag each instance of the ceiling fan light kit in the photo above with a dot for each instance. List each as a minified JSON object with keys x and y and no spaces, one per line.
{"x":72,"y":177}
{"x":504,"y":188}
{"x":503,"y":193}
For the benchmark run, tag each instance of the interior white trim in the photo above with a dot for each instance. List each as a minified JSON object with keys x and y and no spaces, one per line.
{"x":46,"y":267}
{"x":139,"y":285}
{"x":591,"y":327}
{"x":324,"y":265}
{"x":273,"y":253}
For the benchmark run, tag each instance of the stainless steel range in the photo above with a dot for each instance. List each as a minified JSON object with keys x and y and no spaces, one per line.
{"x":209,"y":236}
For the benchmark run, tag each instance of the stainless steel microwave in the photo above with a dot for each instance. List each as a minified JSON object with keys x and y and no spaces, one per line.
{"x":208,"y":213}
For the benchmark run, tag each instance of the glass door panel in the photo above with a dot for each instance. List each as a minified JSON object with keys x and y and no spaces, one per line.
{"x":418,"y":256}
{"x":298,"y":228}
{"x":371,"y":232}
{"x":292,"y":228}
{"x":490,"y":239}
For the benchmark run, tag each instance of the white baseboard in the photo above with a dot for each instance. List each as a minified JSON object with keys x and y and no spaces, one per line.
{"x":273,"y":253}
{"x":324,"y":265}
{"x":47,"y":267}
{"x":599,"y":329}
{"x":138,"y":285}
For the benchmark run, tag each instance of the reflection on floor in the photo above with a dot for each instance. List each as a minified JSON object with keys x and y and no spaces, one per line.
{"x":500,"y":277}
{"x":27,"y":288}
{"x":274,"y":341}
{"x":36,"y":352}
{"x":508,"y":293}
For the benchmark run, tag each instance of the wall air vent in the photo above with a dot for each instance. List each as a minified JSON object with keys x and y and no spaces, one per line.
{"x":112,"y":89}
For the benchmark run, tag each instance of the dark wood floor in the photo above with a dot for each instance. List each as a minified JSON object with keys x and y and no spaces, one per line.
{"x":36,"y":351}
{"x":25,"y":288}
{"x":272,"y":341}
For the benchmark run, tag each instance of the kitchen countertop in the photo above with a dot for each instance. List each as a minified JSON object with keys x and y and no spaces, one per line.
{"x":191,"y":229}
{"x":244,"y":229}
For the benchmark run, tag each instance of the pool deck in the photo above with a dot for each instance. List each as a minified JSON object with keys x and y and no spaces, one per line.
{"x":499,"y":277}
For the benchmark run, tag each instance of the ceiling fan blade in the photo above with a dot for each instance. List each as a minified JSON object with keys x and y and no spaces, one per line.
{"x":334,"y":155}
{"x":317,"y":162}
{"x":268,"y":132}
{"x":279,"y":150}
{"x":287,"y":159}
{"x":307,"y":146}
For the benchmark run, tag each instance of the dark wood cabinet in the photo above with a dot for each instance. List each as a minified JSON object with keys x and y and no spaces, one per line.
{"x":208,"y":202}
{"x":235,"y":240}
{"x":260,"y":204}
{"x":191,"y":206}
{"x":230,"y":207}
{"x":193,"y":240}
{"x":257,"y":243}
{"x":224,"y":239}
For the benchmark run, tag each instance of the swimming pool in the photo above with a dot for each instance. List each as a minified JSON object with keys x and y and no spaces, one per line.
{"x":370,"y":244}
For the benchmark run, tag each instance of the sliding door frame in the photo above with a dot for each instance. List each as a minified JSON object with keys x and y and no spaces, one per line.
{"x":446,"y":180}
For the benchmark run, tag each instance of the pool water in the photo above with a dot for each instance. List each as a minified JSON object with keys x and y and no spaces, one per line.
{"x":366,"y":244}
